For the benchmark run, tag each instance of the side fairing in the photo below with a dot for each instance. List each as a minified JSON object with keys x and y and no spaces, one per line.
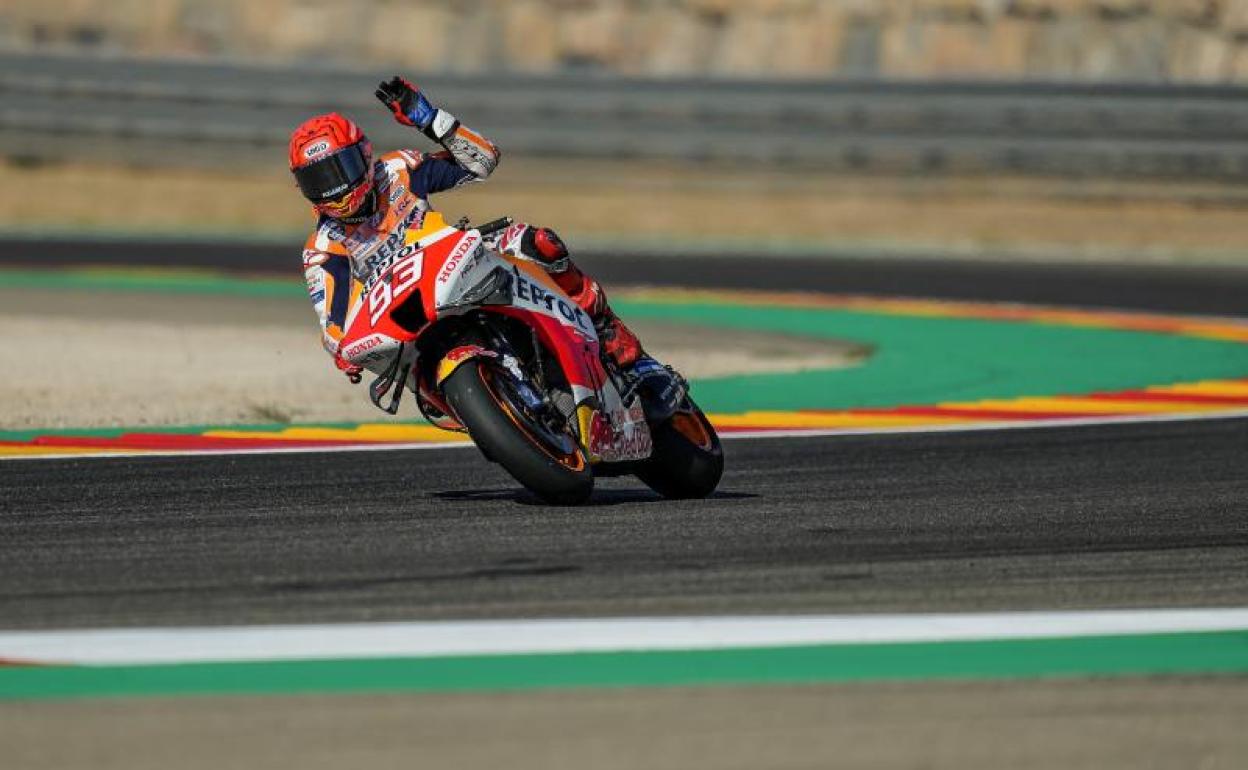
{"x":546,"y":298}
{"x":531,"y":290}
{"x":463,"y":269}
{"x":370,"y":350}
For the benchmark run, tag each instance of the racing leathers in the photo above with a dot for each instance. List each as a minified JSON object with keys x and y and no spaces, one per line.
{"x":342,"y":252}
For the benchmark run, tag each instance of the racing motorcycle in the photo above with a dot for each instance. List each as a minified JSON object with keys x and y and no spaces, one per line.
{"x":490,"y":345}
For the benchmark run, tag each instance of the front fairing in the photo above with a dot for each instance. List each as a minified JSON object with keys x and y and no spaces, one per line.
{"x":372,"y":337}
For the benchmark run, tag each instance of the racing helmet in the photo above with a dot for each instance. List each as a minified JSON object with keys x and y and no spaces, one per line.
{"x":332,"y":162}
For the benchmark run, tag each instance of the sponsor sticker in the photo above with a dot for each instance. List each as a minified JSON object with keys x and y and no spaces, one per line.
{"x":468,"y":351}
{"x":312,"y":150}
{"x":511,"y":237}
{"x":632,"y":442}
{"x":393,"y":247}
{"x":362,"y":346}
{"x":537,"y":296}
{"x":452,"y":262}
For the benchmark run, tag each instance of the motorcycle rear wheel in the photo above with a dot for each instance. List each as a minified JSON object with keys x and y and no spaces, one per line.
{"x":688,"y":460}
{"x":508,"y":435}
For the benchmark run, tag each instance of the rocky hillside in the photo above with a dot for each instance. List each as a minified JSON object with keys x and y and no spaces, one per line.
{"x":1145,"y":40}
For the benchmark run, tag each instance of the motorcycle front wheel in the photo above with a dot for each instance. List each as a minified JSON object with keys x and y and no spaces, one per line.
{"x":551,"y":466}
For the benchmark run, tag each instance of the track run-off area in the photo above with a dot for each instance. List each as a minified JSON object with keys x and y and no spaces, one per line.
{"x":1041,"y":492}
{"x":934,"y":365}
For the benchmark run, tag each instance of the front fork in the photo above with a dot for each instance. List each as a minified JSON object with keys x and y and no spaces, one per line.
{"x":590,"y":425}
{"x":495,"y":347}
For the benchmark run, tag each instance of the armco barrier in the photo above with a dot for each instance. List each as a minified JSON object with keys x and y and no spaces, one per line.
{"x":175,"y":112}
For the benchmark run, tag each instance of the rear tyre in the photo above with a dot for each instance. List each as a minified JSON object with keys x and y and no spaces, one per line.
{"x":688,"y":460}
{"x":550,"y":466}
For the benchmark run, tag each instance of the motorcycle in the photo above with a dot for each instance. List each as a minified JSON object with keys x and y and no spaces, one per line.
{"x":490,"y":345}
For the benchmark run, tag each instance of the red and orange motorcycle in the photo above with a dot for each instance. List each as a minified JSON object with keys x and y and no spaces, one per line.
{"x":491,"y":346}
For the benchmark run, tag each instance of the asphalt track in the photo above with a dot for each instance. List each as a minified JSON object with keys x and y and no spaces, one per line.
{"x":1142,"y":515}
{"x":1113,"y":516}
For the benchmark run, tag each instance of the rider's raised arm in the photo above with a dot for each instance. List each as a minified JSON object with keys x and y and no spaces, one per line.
{"x":469,"y":155}
{"x":469,"y":150}
{"x":434,"y":172}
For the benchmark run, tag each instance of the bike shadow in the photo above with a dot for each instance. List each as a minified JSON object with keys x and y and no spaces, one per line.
{"x":601,"y":497}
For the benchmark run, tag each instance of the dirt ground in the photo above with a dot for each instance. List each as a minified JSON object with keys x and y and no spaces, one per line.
{"x":1110,"y":724}
{"x":81,"y":359}
{"x":658,"y":203}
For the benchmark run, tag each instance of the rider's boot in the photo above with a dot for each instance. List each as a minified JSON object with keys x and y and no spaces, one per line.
{"x":660,"y":388}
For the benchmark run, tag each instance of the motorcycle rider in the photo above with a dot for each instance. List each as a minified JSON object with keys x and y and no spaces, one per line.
{"x":365,"y":205}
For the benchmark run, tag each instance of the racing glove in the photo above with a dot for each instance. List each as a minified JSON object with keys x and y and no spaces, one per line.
{"x":411,"y":108}
{"x":353,"y":372}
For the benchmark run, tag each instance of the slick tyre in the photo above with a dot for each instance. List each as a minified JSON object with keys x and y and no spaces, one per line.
{"x":688,"y":460}
{"x":508,"y":435}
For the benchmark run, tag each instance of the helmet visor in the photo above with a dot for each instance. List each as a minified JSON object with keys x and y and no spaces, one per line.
{"x":332,"y":176}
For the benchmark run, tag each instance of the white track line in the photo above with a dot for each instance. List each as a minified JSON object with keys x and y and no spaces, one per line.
{"x":515,"y":637}
{"x":1076,"y":422}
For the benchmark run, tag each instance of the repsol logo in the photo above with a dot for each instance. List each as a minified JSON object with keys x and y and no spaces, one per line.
{"x":535,"y":295}
{"x":393,"y":245}
{"x":379,"y":269}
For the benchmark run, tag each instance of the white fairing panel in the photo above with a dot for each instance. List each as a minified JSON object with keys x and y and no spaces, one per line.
{"x":532,"y":296}
{"x":472,"y":261}
{"x":371,"y":349}
{"x":461,"y":271}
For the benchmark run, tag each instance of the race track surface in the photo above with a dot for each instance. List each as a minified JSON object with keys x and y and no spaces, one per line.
{"x":1130,"y":515}
{"x":1141,"y":515}
{"x":1110,"y":516}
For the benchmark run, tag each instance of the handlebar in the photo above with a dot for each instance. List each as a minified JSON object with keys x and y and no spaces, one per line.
{"x":489,"y":228}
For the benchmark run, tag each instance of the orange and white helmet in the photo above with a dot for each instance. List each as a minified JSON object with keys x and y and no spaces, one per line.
{"x":332,"y":162}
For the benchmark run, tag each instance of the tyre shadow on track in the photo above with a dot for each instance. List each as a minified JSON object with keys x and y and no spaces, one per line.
{"x":601,"y":496}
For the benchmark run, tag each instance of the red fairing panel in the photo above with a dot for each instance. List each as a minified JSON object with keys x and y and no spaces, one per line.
{"x":578,"y":355}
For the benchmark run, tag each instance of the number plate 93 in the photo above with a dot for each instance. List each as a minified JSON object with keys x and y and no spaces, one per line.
{"x":393,"y":282}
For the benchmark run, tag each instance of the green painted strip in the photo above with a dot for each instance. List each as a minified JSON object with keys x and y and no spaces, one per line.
{"x":174,"y":235}
{"x":180,"y":281}
{"x":29,"y":435}
{"x":921,"y":360}
{"x":1196,"y":653}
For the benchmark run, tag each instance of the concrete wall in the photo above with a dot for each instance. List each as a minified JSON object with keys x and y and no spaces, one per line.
{"x":1144,"y":40}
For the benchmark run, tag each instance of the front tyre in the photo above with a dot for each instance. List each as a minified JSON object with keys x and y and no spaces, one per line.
{"x":550,"y":466}
{"x":688,"y":460}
